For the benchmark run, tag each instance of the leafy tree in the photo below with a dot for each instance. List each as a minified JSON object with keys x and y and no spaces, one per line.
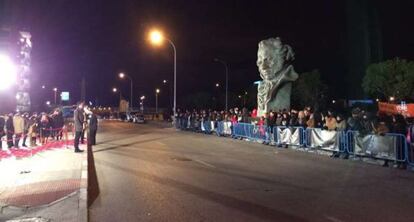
{"x":308,"y":90}
{"x":390,"y":78}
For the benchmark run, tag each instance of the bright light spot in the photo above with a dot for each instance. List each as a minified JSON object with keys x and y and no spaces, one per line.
{"x":377,"y":100}
{"x":156,"y":37}
{"x":142,"y":97}
{"x":240,"y":96}
{"x":157,"y":91}
{"x":17,"y":96}
{"x":165,"y":81}
{"x":392,"y":98}
{"x":121,"y":75}
{"x":8,"y":72}
{"x":333,"y":101}
{"x":114,"y":90}
{"x":48,"y":103}
{"x":55,"y":89}
{"x":217,"y":84}
{"x":43,"y":86}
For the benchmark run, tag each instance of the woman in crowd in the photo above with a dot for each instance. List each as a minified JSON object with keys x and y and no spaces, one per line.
{"x":330,"y":121}
{"x":44,"y":126}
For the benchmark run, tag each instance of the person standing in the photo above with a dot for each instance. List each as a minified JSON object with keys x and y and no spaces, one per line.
{"x":18,"y":124}
{"x":9,"y":130}
{"x":26,"y":128}
{"x":93,"y":127}
{"x":2,"y":124}
{"x":78,"y":117}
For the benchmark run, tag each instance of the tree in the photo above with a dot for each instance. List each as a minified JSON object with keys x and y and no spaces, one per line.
{"x":308,"y":90}
{"x":390,"y":78}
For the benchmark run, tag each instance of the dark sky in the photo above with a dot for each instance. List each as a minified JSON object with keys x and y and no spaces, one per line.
{"x":98,"y":39}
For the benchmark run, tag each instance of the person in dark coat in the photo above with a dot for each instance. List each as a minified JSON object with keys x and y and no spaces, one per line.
{"x":78,"y":118}
{"x":93,"y":127}
{"x":9,"y":130}
{"x":2,"y":124}
{"x":58,"y":123}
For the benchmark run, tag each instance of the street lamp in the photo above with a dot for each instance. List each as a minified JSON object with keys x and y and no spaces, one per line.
{"x":217,"y":84}
{"x":122,"y":76}
{"x":43,"y":86}
{"x":164,"y":81}
{"x":55,"y":90}
{"x":227,"y":78}
{"x":115,"y":90}
{"x":156,"y":38}
{"x":157,"y":91}
{"x":142,"y":104}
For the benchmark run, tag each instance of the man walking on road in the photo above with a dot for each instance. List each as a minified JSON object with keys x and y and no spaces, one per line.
{"x":78,"y":118}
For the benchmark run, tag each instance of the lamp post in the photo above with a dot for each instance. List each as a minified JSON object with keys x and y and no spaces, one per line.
{"x":122,"y":76}
{"x":227,"y":78}
{"x":156,"y":38}
{"x":157,"y":91}
{"x":55,"y":90}
{"x":115,"y":90}
{"x":142,"y":104}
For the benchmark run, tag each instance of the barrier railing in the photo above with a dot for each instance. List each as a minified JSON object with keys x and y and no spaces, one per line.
{"x":253,"y":132}
{"x":294,"y":136}
{"x":390,"y":146}
{"x":326,"y":140}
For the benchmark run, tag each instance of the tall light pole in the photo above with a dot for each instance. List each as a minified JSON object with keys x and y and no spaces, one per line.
{"x":115,"y":90}
{"x":227,"y":78}
{"x":55,"y":90}
{"x":122,"y":76}
{"x":157,"y":38}
{"x":157,"y":91}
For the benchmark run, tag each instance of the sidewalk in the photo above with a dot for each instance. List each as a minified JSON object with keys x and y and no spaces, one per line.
{"x":50,"y":183}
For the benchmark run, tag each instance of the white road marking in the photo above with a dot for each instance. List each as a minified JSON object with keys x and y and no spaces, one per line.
{"x":204,"y":163}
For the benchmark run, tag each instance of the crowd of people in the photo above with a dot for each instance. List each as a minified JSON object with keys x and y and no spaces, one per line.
{"x":33,"y":129}
{"x":19,"y":130}
{"x":360,"y":120}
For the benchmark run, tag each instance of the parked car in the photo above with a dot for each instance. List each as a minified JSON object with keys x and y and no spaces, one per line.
{"x":139,"y":118}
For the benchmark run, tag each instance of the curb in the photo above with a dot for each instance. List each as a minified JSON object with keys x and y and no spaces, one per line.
{"x":83,"y":191}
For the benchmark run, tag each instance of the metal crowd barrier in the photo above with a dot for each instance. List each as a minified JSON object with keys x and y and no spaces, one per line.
{"x":337,"y":142}
{"x":277,"y":137}
{"x":377,"y":146}
{"x":252,"y":132}
{"x":342,"y":141}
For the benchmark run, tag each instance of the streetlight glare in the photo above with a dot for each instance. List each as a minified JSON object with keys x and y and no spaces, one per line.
{"x":114,"y":89}
{"x":121,"y":75}
{"x":164,"y":81}
{"x":217,"y":84}
{"x":8,"y":72}
{"x":157,"y":90}
{"x":156,"y":37}
{"x":55,"y":89}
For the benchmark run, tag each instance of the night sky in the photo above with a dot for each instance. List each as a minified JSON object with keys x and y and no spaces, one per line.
{"x":98,"y":39}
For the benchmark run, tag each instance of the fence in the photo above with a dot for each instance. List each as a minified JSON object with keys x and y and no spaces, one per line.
{"x":294,"y":136}
{"x":390,"y":146}
{"x":393,"y":147}
{"x":327,"y":140}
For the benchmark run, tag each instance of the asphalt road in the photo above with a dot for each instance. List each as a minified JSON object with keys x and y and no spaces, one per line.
{"x":151,"y":173}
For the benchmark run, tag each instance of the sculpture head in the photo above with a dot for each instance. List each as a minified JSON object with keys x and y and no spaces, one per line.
{"x":272,"y":57}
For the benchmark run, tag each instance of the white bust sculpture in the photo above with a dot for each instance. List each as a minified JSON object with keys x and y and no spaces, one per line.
{"x":274,"y":63}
